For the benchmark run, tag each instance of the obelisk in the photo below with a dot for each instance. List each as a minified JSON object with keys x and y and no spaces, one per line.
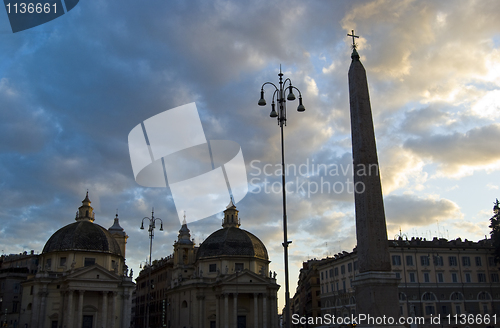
{"x":376,"y":287}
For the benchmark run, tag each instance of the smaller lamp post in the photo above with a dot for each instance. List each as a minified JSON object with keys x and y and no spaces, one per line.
{"x":152,"y":225}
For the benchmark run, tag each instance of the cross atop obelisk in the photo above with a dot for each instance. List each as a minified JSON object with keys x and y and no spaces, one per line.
{"x":354,"y":45}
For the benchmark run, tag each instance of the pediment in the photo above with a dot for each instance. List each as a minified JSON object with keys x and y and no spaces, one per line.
{"x":93,"y":272}
{"x":246,"y":277}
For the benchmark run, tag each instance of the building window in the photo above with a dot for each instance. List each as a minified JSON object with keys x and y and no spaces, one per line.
{"x":412,"y":276}
{"x":343,"y":285}
{"x":494,"y":277}
{"x":456,"y":296}
{"x":424,"y":260}
{"x":322,"y":291}
{"x":484,"y":296}
{"x":481,"y":277}
{"x":326,"y":288}
{"x":48,"y":264}
{"x":429,"y":309}
{"x":438,"y":260}
{"x":478,"y":261}
{"x":239,"y":267}
{"x":467,"y":277}
{"x":396,"y":260}
{"x":491,"y":261}
{"x":458,"y":309}
{"x":444,"y":309}
{"x":62,"y":261}
{"x":454,"y":277}
{"x":398,"y":275}
{"x":321,"y":275}
{"x":355,"y":265}
{"x":342,"y":269}
{"x":349,"y":267}
{"x":440,"y":277}
{"x":452,"y":260}
{"x":426,"y":277}
{"x":428,"y":297}
{"x":409,"y":260}
{"x":89,"y":261}
{"x":331,"y":285}
{"x":466,"y":261}
{"x":212,"y":268}
{"x":336,"y":271}
{"x":331,"y":273}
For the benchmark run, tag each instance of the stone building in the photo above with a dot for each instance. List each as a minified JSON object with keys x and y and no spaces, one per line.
{"x":436,"y":277}
{"x":307,"y":299}
{"x":225,"y":282}
{"x":14,"y":269}
{"x":82,"y":280}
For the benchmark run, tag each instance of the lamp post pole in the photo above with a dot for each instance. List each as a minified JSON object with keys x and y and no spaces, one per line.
{"x":152,"y":225}
{"x":279,"y":94}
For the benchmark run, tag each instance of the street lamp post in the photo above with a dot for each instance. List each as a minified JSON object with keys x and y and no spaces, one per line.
{"x":151,"y":230}
{"x":279,"y":94}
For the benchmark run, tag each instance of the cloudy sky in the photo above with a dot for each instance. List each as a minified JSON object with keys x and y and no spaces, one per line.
{"x":71,"y":91}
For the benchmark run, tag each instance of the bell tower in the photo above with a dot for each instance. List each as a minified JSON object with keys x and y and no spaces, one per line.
{"x":184,"y":256}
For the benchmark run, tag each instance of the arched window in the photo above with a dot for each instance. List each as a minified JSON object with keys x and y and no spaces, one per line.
{"x":457,"y":296}
{"x":428,"y":296}
{"x":402,"y":296}
{"x":184,"y":304}
{"x":483,"y":296}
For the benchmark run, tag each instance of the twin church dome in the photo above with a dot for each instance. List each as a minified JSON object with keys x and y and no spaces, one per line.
{"x":85,"y":235}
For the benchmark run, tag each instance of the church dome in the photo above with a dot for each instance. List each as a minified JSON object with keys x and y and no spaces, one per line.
{"x":82,"y":236}
{"x":232,"y":241}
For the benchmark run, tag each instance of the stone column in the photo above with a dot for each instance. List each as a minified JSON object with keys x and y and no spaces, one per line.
{"x":125,"y":309}
{"x":264,"y":311}
{"x":376,"y":286}
{"x":128,"y":308}
{"x":274,"y":313}
{"x":68,"y":320}
{"x":79,"y":316}
{"x":104,"y":310}
{"x":60,"y":314}
{"x":217,"y":311}
{"x":226,"y":310}
{"x":256,"y":310}
{"x":36,"y":309}
{"x":43,"y":306}
{"x":201,"y":311}
{"x":113,"y":309}
{"x":235,"y":309}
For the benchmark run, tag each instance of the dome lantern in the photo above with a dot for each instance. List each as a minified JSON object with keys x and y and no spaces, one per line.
{"x":231,"y":216}
{"x":85,"y":212}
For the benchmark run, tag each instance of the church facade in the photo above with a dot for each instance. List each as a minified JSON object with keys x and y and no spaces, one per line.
{"x":225,"y":282}
{"x":82,"y":280}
